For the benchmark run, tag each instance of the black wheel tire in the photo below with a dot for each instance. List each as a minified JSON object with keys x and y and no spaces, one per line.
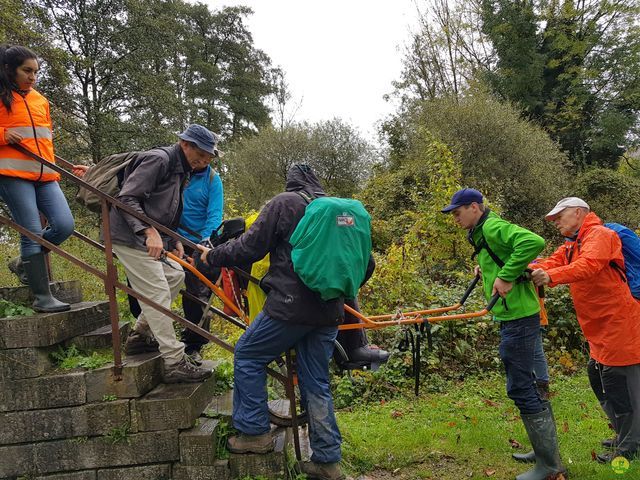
{"x":280,"y":414}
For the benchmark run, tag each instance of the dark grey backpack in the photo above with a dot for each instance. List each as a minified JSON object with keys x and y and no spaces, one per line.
{"x":107,"y":176}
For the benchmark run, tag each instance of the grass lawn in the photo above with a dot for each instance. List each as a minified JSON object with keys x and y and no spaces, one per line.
{"x":467,"y":432}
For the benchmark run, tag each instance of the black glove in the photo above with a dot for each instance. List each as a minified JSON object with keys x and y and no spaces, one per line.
{"x":212,"y":273}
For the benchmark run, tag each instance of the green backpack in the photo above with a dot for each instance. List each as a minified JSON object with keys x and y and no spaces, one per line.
{"x":331,"y":246}
{"x":106,"y":176}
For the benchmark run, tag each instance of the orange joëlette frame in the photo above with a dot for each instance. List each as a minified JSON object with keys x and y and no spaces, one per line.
{"x":373,"y":322}
{"x":213,"y":287}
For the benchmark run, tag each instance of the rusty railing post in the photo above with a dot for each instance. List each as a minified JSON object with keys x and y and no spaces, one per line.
{"x":110,"y":289}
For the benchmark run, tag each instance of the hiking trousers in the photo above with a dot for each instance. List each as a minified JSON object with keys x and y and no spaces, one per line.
{"x":518,"y":340}
{"x":618,"y":391}
{"x":160,"y":282}
{"x":264,"y":340}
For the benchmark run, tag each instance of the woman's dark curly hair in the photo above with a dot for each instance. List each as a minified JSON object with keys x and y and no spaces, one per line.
{"x":11,"y":57}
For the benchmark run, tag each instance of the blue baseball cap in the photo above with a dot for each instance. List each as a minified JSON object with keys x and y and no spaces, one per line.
{"x":466,"y":196}
{"x":204,"y":138}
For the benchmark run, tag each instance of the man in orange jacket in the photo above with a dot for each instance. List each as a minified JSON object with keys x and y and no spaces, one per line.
{"x":590,"y":262}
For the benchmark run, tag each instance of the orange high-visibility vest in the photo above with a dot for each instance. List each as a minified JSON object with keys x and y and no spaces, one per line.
{"x":29,"y":116}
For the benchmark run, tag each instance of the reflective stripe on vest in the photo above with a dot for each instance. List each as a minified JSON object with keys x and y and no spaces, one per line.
{"x":27,"y":132}
{"x":25,"y":165}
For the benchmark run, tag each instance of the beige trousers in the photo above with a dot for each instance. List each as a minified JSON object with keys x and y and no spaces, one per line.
{"x":158,"y":282}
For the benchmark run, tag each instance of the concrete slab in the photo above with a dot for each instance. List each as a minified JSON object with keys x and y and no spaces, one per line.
{"x":172,"y":406}
{"x":141,"y":373}
{"x":100,"y":337}
{"x":272,"y":466}
{"x":198,"y":445}
{"x":219,"y":471}
{"x":45,"y":329}
{"x":29,"y":362}
{"x":69,"y":291}
{"x":55,"y":423}
{"x":89,"y":453}
{"x":50,"y":391}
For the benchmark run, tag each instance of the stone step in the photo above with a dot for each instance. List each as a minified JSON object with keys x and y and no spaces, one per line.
{"x":305,"y":446}
{"x":100,"y":337}
{"x":144,"y":472}
{"x":172,"y":405}
{"x":84,"y":453}
{"x":272,"y":466}
{"x":88,"y":420}
{"x":199,"y":445}
{"x":221,"y":406}
{"x":50,"y":391}
{"x":69,"y":291}
{"x":31,"y":362}
{"x":219,"y":471}
{"x":45,"y":329}
{"x":140,"y":374}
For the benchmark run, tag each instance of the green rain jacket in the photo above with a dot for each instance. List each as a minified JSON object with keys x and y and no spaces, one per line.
{"x":516,"y":247}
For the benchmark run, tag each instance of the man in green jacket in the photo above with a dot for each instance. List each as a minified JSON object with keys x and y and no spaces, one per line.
{"x":504,"y":251}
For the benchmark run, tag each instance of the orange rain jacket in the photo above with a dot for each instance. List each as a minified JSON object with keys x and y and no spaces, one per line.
{"x":29,"y":116}
{"x":607,"y":312}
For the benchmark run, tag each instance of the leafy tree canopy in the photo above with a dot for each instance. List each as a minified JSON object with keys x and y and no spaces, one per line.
{"x":256,"y":167}
{"x":139,"y":71}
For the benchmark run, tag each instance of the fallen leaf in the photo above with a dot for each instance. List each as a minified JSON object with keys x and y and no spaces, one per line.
{"x":396,"y":414}
{"x":451,"y":424}
{"x":489,"y":473}
{"x":383,"y":401}
{"x":515,"y":443}
{"x":593,"y":455}
{"x":565,"y":426}
{"x":490,"y":403}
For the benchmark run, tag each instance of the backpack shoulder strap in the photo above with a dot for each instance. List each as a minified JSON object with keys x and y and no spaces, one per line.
{"x":305,"y":196}
{"x":482,"y":244}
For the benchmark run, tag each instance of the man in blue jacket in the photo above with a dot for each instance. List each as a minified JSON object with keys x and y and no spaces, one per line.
{"x":202,"y":214}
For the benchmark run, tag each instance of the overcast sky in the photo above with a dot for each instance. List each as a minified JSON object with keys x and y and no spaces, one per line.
{"x":339,"y":56}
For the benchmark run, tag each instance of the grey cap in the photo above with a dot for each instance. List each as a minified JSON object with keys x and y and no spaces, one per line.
{"x":566,"y":203}
{"x":204,"y":138}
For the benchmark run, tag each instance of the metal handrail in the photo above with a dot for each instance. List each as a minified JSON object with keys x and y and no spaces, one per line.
{"x":110,"y":278}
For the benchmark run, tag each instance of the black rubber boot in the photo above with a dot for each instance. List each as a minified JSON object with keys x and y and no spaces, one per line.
{"x":530,"y":457}
{"x":15,"y":265}
{"x":36,"y":271}
{"x":541,"y":429}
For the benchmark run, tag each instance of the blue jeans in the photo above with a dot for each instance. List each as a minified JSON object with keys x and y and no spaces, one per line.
{"x":540,"y":367}
{"x":26,"y":200}
{"x":517,"y":344}
{"x":264,"y":340}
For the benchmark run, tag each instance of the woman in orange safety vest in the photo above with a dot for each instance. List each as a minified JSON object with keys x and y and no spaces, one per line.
{"x":26,"y":186}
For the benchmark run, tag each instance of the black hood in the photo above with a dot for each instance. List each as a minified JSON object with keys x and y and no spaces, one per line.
{"x":302,"y":177}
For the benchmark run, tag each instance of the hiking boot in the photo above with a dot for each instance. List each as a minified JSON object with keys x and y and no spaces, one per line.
{"x":195,"y":357}
{"x":16,"y":267}
{"x":185,"y":371}
{"x":607,"y":457}
{"x":322,"y":471}
{"x":369,"y":354}
{"x":250,"y":443}
{"x":610,"y":442}
{"x":140,"y":343}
